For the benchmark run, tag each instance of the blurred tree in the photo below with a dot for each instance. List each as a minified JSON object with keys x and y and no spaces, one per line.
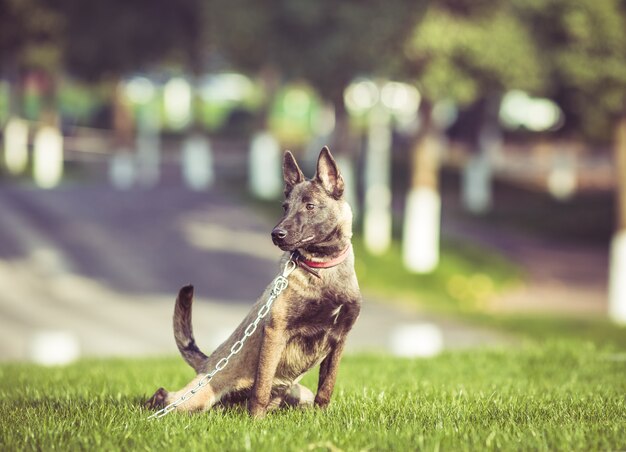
{"x":467,"y":51}
{"x":583,"y":43}
{"x":118,"y":37}
{"x":325,"y":42}
{"x":30,"y":39}
{"x":106,"y":40}
{"x":584,"y":48}
{"x":463,"y":51}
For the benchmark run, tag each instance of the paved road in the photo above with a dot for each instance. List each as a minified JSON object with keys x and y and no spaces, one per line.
{"x":87,"y":270}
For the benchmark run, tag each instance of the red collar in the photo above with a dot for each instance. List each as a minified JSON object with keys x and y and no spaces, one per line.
{"x":309,"y":265}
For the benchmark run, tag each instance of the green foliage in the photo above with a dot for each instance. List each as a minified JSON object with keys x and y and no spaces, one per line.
{"x":562,"y":396}
{"x":77,"y":101}
{"x":327,"y":43}
{"x":546,"y":327}
{"x":30,"y":34}
{"x":294,"y":114}
{"x":116,"y":37}
{"x":5,"y":99}
{"x":583,"y":44}
{"x":464,"y":52}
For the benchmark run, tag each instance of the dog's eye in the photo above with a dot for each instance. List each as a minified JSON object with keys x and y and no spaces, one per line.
{"x":310,"y":206}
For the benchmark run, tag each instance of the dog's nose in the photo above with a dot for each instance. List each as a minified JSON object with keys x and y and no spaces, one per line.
{"x":279,"y":233}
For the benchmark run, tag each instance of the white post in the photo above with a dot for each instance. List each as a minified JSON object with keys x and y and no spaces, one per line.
{"x":423,"y":340}
{"x":422,"y":218}
{"x":197,"y":162}
{"x":617,"y":278}
{"x":122,"y":169}
{"x":422,"y":223}
{"x":16,"y":145}
{"x":563,"y":179}
{"x":48,"y":157}
{"x":476,"y":184}
{"x":377,"y":207}
{"x":617,"y":271}
{"x":264,"y":167}
{"x":177,"y":100}
{"x":54,"y":347}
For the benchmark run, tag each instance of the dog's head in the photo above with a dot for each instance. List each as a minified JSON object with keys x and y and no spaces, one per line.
{"x":316,"y":214}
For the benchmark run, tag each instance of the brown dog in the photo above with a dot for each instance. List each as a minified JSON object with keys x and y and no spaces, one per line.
{"x":308,"y":322}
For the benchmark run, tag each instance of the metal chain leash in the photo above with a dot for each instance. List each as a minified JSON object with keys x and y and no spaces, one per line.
{"x":280,"y":284}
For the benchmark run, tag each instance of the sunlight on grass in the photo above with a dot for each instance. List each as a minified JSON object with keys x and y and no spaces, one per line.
{"x":466,"y":278}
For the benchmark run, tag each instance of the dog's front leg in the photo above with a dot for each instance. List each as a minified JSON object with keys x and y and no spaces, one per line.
{"x":328,"y":374}
{"x":272,"y":346}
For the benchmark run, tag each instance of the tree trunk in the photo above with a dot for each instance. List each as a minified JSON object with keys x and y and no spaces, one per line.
{"x":122,"y":165}
{"x":48,"y":156}
{"x":422,"y":219}
{"x":16,"y":129}
{"x":617,"y":275}
{"x":49,"y":111}
{"x":344,"y":148}
{"x":344,"y":140}
{"x":264,"y":158}
{"x":620,"y":164}
{"x":121,"y":118}
{"x":377,"y":230}
{"x":477,"y":172}
{"x":270,"y":80}
{"x":16,"y":93}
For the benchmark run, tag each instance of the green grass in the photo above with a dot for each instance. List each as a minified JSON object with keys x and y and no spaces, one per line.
{"x":559,"y":396}
{"x":542,"y":327}
{"x":466,"y":277}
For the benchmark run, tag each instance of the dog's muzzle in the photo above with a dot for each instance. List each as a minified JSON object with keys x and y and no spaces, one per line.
{"x":279,"y":235}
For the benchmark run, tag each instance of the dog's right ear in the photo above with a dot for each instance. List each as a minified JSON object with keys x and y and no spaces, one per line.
{"x":291,"y":172}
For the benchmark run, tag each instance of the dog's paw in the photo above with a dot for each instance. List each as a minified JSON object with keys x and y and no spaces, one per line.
{"x":298,"y":396}
{"x":321,"y":402}
{"x":158,"y":400}
{"x":257,"y":411}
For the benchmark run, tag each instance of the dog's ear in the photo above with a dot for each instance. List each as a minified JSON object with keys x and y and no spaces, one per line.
{"x":291,"y":172}
{"x":328,"y":174}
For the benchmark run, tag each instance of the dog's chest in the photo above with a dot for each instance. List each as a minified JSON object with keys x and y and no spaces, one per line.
{"x":329,"y":312}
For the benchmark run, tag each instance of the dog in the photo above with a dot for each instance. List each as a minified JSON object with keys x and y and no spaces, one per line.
{"x":308,"y":322}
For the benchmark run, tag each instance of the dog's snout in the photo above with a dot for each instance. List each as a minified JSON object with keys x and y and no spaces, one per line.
{"x":279,"y":233}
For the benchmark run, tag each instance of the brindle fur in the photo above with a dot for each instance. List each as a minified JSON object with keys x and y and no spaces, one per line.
{"x":309,"y":321}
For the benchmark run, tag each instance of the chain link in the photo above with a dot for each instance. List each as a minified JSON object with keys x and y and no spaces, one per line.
{"x":279,"y":285}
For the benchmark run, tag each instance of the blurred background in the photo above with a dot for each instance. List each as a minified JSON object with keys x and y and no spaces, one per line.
{"x":483,"y":144}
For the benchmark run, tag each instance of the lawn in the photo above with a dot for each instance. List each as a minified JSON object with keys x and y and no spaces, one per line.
{"x":557,"y":395}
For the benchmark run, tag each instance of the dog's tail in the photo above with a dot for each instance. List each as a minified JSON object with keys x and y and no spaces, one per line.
{"x":183,"y":331}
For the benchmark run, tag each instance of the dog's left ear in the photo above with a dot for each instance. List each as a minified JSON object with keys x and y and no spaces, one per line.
{"x":291,"y":172}
{"x":328,"y":174}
